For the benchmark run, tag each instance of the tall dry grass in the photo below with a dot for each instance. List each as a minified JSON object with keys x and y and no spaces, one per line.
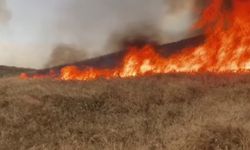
{"x":170,"y":112}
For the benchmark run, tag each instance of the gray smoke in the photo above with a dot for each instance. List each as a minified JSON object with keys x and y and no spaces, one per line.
{"x":65,"y":54}
{"x":90,"y":28}
{"x":139,"y":34}
{"x":104,"y":26}
{"x":172,"y":25}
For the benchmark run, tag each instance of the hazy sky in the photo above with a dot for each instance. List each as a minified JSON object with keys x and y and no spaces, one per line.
{"x":35,"y":27}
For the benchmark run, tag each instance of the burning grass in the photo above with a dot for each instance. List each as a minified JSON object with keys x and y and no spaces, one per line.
{"x":226,"y":49}
{"x":161,"y":112}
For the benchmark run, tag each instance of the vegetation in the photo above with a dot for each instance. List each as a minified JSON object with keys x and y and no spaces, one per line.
{"x":172,"y":112}
{"x":12,"y":71}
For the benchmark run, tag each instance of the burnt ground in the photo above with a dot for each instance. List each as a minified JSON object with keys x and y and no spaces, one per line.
{"x":172,"y":112}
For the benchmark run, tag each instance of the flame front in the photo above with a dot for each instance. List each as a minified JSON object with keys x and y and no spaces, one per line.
{"x":137,"y":62}
{"x":226,"y":49}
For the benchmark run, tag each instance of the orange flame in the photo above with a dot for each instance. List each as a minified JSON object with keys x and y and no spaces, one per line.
{"x":226,"y":49}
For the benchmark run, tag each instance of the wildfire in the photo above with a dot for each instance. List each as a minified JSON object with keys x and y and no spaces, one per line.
{"x":226,"y":49}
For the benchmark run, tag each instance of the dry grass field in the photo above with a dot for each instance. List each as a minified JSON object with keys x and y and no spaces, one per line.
{"x":165,"y":112}
{"x":13,"y":71}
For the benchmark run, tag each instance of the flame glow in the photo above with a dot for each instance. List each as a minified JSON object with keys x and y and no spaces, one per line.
{"x":226,"y":49}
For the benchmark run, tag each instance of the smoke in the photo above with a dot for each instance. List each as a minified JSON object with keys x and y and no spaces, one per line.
{"x":5,"y":14}
{"x":104,"y":26}
{"x":139,"y":34}
{"x":65,"y":54}
{"x":174,"y":24}
{"x":95,"y":27}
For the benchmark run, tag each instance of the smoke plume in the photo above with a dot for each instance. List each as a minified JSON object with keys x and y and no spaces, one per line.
{"x":65,"y":54}
{"x":95,"y":27}
{"x":107,"y":25}
{"x":135,"y":35}
{"x":173,"y":25}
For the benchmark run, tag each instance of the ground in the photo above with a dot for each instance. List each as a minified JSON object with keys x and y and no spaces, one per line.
{"x":168,"y":112}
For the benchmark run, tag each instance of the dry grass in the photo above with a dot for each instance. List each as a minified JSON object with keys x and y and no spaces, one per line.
{"x":13,"y":71}
{"x":172,"y":112}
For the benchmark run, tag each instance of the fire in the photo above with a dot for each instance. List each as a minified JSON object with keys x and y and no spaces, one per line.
{"x":137,"y":62}
{"x":226,"y":49}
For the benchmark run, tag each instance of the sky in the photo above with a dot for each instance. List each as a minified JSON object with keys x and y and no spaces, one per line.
{"x":31,"y":29}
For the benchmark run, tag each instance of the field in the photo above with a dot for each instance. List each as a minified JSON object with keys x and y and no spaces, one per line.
{"x":170,"y":112}
{"x":13,"y":71}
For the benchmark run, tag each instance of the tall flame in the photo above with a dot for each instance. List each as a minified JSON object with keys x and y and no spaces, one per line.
{"x":226,"y":49}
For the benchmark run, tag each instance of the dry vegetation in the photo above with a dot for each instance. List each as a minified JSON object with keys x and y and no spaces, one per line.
{"x":172,"y":112}
{"x":13,"y":71}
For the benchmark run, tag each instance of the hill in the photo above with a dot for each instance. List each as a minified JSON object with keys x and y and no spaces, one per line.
{"x":6,"y":71}
{"x":113,"y":59}
{"x":191,"y":112}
